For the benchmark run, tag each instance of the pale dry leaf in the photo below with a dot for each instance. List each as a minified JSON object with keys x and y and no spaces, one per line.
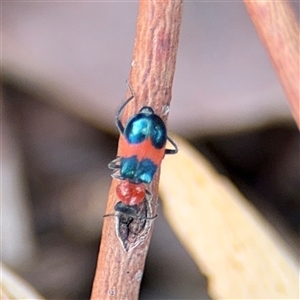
{"x":229,"y":240}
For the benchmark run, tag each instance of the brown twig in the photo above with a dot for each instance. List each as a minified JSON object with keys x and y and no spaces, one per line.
{"x":277,"y":27}
{"x":119,"y":273}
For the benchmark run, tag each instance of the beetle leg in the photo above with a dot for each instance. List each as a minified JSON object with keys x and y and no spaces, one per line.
{"x":114,"y":164}
{"x":171,"y":151}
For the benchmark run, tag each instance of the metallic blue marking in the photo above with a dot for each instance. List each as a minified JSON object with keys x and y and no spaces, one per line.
{"x":137,"y":171}
{"x":146,"y":170}
{"x":146,"y":124}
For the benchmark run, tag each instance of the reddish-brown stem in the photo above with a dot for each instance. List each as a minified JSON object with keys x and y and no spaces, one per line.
{"x":277,"y":27}
{"x":119,"y":273}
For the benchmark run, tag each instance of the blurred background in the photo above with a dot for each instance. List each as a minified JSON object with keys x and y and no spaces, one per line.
{"x":64,"y":66}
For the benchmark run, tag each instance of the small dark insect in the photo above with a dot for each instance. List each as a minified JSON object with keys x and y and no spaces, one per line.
{"x":133,"y":222}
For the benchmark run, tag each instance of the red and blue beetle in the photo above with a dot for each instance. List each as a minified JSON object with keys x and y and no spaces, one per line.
{"x":143,"y":139}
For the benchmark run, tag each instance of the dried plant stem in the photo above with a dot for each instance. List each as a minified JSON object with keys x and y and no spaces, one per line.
{"x":119,"y":273}
{"x":277,"y":27}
